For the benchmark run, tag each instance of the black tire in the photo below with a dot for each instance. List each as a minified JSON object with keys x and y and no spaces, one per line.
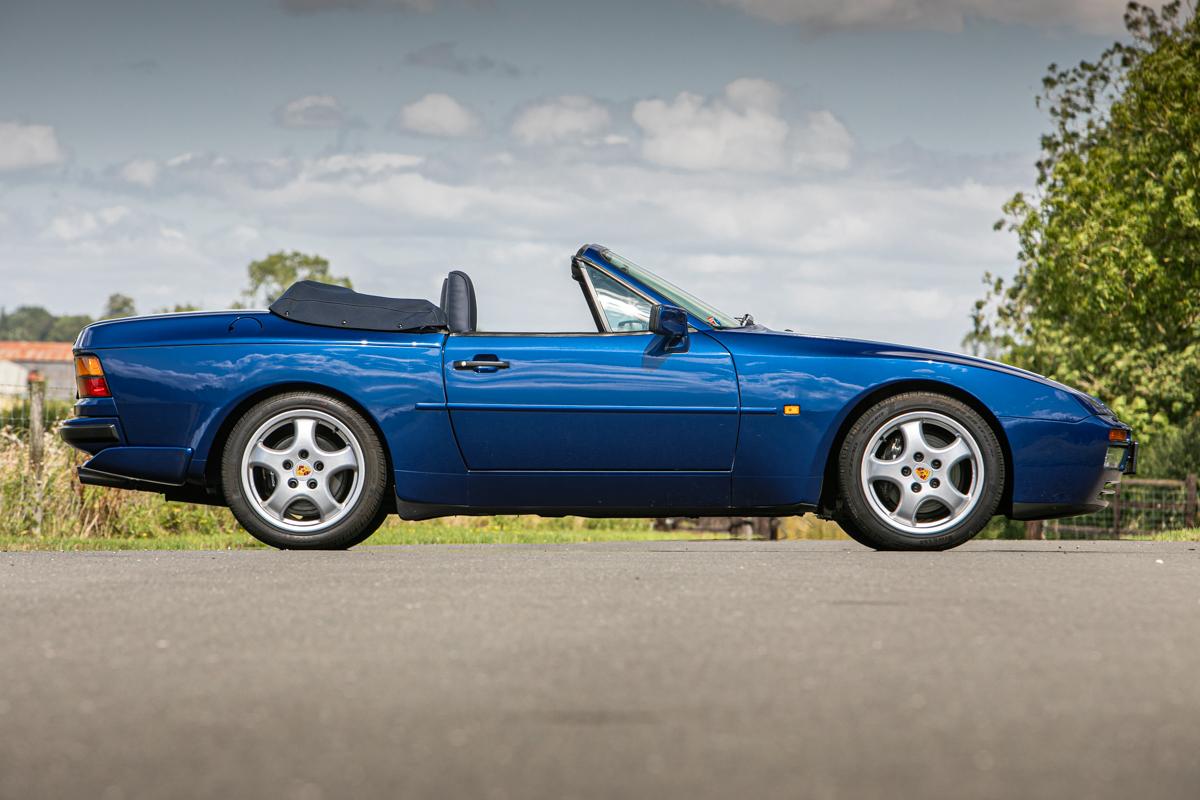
{"x":860,"y":516}
{"x":386,"y":509}
{"x":357,"y":522}
{"x":853,"y":531}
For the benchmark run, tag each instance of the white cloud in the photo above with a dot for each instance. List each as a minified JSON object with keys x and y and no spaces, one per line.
{"x":444,"y":56}
{"x":311,"y":111}
{"x":86,"y":252}
{"x":72,"y":226}
{"x":1089,"y":16}
{"x":375,"y":190}
{"x":823,"y":143}
{"x":562,"y":119}
{"x":438,"y":114}
{"x":740,"y":130}
{"x":209,"y":173}
{"x":28,"y":146}
{"x":140,"y":172}
{"x":358,"y":163}
{"x":892,"y":249}
{"x":243,"y":235}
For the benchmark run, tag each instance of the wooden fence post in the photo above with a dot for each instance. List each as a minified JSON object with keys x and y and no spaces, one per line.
{"x":37,"y":437}
{"x":1035,"y":529}
{"x":37,"y":421}
{"x":1190,"y":507}
{"x":1116,"y":509}
{"x":766,"y":528}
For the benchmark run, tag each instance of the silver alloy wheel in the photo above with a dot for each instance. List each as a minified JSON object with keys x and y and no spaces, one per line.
{"x":302,"y":470}
{"x":922,"y":472}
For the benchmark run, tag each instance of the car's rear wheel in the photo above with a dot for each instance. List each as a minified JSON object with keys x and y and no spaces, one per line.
{"x":305,"y":471}
{"x":918,"y":471}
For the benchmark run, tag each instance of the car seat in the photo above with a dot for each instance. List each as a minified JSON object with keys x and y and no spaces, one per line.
{"x":458,"y":302}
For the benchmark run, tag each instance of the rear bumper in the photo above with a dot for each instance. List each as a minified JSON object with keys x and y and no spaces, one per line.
{"x":115,"y":464}
{"x":95,"y":477}
{"x":97,"y":431}
{"x":144,"y":468}
{"x":91,"y":434}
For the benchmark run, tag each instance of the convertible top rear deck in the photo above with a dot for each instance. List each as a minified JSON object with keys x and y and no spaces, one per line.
{"x":338,"y":307}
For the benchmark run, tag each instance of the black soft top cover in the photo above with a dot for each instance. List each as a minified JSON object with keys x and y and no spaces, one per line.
{"x":339,"y":307}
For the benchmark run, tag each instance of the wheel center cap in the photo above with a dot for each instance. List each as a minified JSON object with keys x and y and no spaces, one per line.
{"x":922,"y":473}
{"x":304,"y":471}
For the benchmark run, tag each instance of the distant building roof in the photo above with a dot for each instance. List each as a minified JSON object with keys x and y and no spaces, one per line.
{"x":48,"y":352}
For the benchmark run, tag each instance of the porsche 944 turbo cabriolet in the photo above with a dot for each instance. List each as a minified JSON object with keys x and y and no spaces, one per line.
{"x":316,"y":419}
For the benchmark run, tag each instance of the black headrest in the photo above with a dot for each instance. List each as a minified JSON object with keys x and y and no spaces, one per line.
{"x":458,"y":302}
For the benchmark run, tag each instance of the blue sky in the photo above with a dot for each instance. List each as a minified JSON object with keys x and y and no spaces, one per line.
{"x":833,"y":167}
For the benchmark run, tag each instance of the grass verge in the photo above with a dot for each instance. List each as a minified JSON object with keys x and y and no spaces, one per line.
{"x":482,"y":530}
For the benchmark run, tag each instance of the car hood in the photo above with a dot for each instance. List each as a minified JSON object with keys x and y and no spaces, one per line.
{"x":867,"y":348}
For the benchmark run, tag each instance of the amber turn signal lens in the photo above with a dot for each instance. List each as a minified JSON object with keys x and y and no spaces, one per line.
{"x":88,"y":366}
{"x":1118,"y":435}
{"x":791,"y":411}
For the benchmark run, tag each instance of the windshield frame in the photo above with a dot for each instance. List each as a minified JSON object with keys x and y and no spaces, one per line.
{"x":698,"y":309}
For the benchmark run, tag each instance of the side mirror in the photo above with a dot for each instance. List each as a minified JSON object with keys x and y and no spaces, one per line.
{"x":669,"y":321}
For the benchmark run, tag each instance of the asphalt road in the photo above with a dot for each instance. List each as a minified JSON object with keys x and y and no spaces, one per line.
{"x":709,"y":669}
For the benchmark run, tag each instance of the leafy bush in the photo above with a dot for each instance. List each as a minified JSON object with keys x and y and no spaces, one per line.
{"x":1172,"y":453}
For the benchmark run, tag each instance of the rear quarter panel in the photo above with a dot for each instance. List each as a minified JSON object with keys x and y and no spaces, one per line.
{"x":177,"y":380}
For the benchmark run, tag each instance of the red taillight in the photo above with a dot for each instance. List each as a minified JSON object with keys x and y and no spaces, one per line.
{"x":93,"y":387}
{"x":89,"y":377}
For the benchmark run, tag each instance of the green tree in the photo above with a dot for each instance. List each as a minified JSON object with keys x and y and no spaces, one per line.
{"x":36,"y":324}
{"x":26,"y":324}
{"x":117,"y":306}
{"x":67,"y":327}
{"x":271,"y":276}
{"x":1107,"y":291}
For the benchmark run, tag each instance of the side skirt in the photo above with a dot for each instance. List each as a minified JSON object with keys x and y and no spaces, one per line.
{"x":419,"y":511}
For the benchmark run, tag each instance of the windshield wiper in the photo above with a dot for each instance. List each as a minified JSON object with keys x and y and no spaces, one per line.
{"x":746,"y":320}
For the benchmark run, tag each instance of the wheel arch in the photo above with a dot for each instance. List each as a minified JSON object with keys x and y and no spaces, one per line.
{"x":829,"y":478}
{"x":216,"y":451}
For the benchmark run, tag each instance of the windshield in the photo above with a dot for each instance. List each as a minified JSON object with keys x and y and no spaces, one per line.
{"x":693,"y":305}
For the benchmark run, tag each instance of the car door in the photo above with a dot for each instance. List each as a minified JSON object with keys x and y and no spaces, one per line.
{"x":579,"y":404}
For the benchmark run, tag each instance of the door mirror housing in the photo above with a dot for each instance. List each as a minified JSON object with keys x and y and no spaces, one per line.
{"x":669,"y":321}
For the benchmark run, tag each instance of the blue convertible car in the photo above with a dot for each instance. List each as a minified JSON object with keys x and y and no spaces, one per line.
{"x":315,"y":420}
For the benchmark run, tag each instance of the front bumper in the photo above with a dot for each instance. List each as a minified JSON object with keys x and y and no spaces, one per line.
{"x":1063,"y":469}
{"x":1129,"y":465}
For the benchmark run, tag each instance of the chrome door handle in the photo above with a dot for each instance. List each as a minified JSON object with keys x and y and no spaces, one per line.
{"x":482,"y":364}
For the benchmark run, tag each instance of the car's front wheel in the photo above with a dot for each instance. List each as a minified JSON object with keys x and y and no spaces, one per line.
{"x":305,"y":471}
{"x":918,"y":471}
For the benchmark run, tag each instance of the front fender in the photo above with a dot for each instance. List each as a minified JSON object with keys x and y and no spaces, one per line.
{"x":781,"y":460}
